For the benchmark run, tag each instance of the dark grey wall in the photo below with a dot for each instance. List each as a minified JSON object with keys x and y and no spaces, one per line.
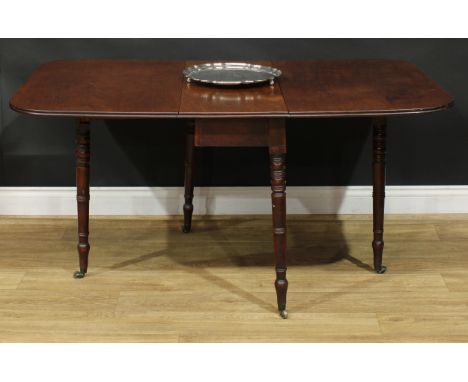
{"x":422,"y":149}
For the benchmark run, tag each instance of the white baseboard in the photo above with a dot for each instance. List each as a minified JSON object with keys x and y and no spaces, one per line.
{"x":232,"y":200}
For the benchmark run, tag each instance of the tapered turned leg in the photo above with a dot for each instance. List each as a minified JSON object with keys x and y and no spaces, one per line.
{"x":278,"y":201}
{"x":82,"y":188}
{"x":188,"y":182}
{"x":379,"y":127}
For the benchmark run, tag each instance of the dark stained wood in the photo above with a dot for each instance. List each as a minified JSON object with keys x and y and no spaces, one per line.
{"x":102,"y":88}
{"x":82,"y":194}
{"x":378,"y":192}
{"x":277,"y":136}
{"x":278,"y":203}
{"x":358,"y":87}
{"x":211,"y":101}
{"x":231,"y":132}
{"x":188,"y":181}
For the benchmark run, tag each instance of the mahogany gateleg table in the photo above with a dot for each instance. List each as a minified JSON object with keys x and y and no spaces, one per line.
{"x":88,"y":90}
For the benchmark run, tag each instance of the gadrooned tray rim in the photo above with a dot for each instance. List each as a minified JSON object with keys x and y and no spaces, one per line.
{"x":191,"y":71}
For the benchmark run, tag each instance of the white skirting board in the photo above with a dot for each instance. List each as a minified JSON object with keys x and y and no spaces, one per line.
{"x":232,"y":200}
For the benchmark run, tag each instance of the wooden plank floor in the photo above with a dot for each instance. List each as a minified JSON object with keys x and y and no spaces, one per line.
{"x":148,"y":282}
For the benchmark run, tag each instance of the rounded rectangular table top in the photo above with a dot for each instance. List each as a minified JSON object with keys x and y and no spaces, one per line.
{"x":155,"y":89}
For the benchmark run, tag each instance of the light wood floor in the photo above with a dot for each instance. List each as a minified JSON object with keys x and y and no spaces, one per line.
{"x":148,"y":282}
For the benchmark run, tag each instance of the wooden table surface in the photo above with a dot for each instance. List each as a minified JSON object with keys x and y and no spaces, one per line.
{"x":155,"y":89}
{"x":358,"y":87}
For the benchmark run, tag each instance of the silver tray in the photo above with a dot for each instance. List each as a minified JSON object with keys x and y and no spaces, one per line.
{"x":231,"y":73}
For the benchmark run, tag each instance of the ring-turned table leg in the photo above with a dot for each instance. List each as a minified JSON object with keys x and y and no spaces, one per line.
{"x":82,"y":194}
{"x":236,"y":132}
{"x":277,"y":147}
{"x":379,"y":147}
{"x":188,"y":182}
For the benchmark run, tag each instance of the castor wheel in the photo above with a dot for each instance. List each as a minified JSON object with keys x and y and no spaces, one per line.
{"x":381,"y":270}
{"x":79,"y":274}
{"x":283,"y":314}
{"x":186,"y":229}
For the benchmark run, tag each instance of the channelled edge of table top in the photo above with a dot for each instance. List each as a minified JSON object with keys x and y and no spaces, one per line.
{"x":372,"y":114}
{"x":221,"y":115}
{"x":45,"y":113}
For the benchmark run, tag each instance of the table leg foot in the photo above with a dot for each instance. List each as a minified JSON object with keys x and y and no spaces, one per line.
{"x":283,"y":314}
{"x":186,"y":228}
{"x":381,"y":270}
{"x":281,"y":286}
{"x":80,"y":274}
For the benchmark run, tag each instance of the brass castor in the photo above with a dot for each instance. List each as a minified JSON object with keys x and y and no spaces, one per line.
{"x":79,"y":274}
{"x":186,"y":229}
{"x":381,"y":270}
{"x":283,"y":314}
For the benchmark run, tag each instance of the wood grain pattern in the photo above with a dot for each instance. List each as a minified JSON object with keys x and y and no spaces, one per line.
{"x":140,"y":288}
{"x":228,"y":132}
{"x":358,"y":87}
{"x":102,"y":88}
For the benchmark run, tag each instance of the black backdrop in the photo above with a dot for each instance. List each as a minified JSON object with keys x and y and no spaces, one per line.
{"x":429,"y":149}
